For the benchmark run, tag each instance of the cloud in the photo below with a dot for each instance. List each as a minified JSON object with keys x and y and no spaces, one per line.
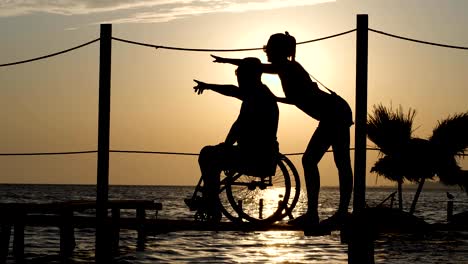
{"x":144,"y":11}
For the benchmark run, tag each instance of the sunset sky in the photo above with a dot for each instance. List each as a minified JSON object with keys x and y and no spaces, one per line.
{"x":51,"y":105}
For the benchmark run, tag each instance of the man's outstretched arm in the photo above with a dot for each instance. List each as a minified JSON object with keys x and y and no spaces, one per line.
{"x":224,"y":89}
{"x":284,"y":100}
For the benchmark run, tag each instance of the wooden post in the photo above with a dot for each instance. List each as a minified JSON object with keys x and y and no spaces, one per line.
{"x":103,"y":252}
{"x":361,"y":114}
{"x":67,"y":234}
{"x":141,"y":237}
{"x":18,"y":237}
{"x":115,"y":229}
{"x":449,"y":210}
{"x":360,"y":244}
{"x":5,"y":234}
{"x":360,"y":233}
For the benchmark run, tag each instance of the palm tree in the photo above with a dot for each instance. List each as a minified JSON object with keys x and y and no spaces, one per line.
{"x":419,"y":166}
{"x":387,"y":167}
{"x":416,"y":159}
{"x":450,"y":140}
{"x":391,"y":132}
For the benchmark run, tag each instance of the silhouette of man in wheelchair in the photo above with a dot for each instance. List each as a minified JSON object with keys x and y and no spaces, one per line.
{"x":250,"y":146}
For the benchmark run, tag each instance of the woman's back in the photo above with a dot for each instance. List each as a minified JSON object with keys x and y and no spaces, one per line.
{"x":299,"y":88}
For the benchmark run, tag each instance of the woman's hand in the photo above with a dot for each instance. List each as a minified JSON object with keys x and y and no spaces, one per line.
{"x":200,"y":87}
{"x":218,"y":59}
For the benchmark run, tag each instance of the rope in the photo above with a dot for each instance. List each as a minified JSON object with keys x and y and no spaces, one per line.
{"x":154,"y":152}
{"x":320,"y":82}
{"x":183,"y":49}
{"x":418,"y":41}
{"x":221,"y":50}
{"x":330,"y":150}
{"x":196,"y":154}
{"x":134,"y":152}
{"x":228,"y":50}
{"x":332,"y":36}
{"x":147,"y":152}
{"x":48,"y":153}
{"x":233,"y":50}
{"x":50,"y":55}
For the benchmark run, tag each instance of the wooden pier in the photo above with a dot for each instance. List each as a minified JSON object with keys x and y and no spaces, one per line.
{"x":64,"y":215}
{"x":61,"y":215}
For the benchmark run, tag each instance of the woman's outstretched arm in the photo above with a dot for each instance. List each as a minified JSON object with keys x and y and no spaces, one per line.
{"x":224,"y":89}
{"x":226,"y":60}
{"x":266,"y":67}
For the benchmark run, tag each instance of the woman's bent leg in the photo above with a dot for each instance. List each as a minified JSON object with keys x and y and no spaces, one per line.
{"x":343,"y":163}
{"x":318,"y":145}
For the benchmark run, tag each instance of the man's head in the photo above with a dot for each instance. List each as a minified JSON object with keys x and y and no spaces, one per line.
{"x":249,"y":71}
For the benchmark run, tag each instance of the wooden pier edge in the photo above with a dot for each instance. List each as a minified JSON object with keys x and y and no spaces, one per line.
{"x":61,"y":215}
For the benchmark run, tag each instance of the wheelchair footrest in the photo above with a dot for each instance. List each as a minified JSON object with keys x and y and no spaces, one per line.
{"x":194,"y":204}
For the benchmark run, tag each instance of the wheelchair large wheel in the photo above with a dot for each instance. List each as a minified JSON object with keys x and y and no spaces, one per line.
{"x":295,"y":187}
{"x":225,"y":205}
{"x":264,"y":200}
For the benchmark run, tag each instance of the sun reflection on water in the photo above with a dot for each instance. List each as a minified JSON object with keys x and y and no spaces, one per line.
{"x":294,"y":247}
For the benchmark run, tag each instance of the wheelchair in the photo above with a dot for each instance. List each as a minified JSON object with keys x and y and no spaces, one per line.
{"x":245,"y":198}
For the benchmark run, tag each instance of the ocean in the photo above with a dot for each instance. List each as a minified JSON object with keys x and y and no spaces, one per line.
{"x":42,"y":243}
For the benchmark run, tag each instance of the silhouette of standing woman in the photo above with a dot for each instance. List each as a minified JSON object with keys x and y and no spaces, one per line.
{"x":334,"y":116}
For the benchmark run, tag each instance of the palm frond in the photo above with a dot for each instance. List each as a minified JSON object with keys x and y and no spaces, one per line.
{"x":449,"y":172}
{"x":413,"y":164}
{"x":450,"y":136}
{"x":388,"y":168}
{"x":455,"y":177}
{"x":390,"y":130}
{"x":418,"y":160}
{"x":464,"y":180}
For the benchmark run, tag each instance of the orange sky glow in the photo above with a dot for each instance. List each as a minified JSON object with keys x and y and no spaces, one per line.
{"x":51,"y":105}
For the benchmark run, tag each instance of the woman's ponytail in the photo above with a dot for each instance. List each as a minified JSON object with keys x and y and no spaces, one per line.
{"x":291,"y":46}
